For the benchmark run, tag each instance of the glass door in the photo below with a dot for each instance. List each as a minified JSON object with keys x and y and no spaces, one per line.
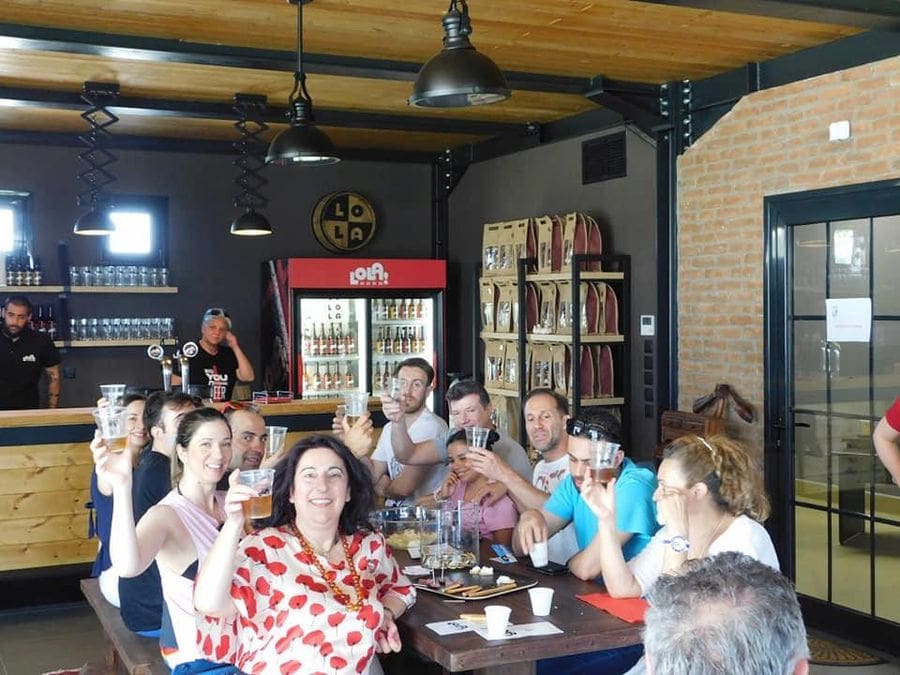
{"x":838,"y":512}
{"x":332,"y":337}
{"x":402,"y":328}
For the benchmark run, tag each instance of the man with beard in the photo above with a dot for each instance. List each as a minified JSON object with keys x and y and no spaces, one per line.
{"x":25,"y":354}
{"x":635,"y":520}
{"x":546,"y":413}
{"x":398,"y":483}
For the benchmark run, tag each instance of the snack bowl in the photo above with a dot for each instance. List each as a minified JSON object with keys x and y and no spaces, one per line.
{"x":407,"y":527}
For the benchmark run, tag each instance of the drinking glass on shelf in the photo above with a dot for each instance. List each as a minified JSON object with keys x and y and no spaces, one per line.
{"x":105,"y":333}
{"x":83,"y":332}
{"x":143,"y":276}
{"x":126,"y":329}
{"x":154,"y":276}
{"x":98,"y":274}
{"x":109,"y":275}
{"x":87,"y":276}
{"x":121,"y":276}
{"x":75,"y":275}
{"x":94,"y":329}
{"x":132,"y":275}
{"x":73,"y":329}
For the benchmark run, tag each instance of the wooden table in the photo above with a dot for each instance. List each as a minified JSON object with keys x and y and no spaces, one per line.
{"x":585,"y":628}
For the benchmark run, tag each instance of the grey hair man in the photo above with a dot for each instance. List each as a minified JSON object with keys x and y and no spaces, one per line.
{"x":727,"y":614}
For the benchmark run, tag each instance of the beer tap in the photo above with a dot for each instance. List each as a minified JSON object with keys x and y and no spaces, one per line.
{"x":188,"y":351}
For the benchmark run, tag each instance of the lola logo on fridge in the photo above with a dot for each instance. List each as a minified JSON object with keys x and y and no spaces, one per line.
{"x":373,"y":275}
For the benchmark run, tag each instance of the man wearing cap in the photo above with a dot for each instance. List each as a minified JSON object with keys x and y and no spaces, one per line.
{"x":25,"y":355}
{"x":635,"y":521}
{"x":220,"y":362}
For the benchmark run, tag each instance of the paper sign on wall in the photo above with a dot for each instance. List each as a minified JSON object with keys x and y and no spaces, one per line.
{"x":848,"y":319}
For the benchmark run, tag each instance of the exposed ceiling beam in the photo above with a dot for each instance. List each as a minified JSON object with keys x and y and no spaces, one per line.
{"x":871,"y":14}
{"x":160,"y":144}
{"x":37,"y":38}
{"x":63,"y":100}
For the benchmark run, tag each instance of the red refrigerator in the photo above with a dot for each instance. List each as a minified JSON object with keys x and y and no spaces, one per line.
{"x":331,"y":325}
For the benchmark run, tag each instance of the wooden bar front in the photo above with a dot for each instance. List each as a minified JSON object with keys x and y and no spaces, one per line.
{"x":45,"y":472}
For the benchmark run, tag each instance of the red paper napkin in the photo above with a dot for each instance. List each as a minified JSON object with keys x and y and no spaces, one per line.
{"x":628,"y":609}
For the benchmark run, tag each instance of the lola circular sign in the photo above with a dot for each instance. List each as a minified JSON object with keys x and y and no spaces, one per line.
{"x":343,"y":221}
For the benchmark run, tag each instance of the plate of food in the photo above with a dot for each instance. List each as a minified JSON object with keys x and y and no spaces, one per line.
{"x":477,"y":583}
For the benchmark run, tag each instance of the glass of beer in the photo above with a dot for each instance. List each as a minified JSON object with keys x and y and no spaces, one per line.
{"x":113,"y":393}
{"x":357,"y":403}
{"x":274,"y":440}
{"x":111,"y":421}
{"x":260,"y":480}
{"x":603,"y":460}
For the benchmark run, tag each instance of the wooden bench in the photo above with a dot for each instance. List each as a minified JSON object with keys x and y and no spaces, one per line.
{"x":126,"y":651}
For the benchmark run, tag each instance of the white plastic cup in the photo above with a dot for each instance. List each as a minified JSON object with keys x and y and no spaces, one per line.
{"x":541,"y":600}
{"x":274,"y":440}
{"x":540,"y":554}
{"x":260,"y":480}
{"x":112,"y":423}
{"x":497,"y":620}
{"x":477,"y":437}
{"x":357,"y":403}
{"x":113,"y":393}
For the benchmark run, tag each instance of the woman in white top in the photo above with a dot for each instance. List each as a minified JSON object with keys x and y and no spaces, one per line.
{"x":710,"y":499}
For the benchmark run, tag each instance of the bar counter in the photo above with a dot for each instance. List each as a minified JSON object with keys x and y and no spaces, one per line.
{"x":45,"y":472}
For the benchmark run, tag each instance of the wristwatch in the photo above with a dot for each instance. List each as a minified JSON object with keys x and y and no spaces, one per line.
{"x":678,"y":543}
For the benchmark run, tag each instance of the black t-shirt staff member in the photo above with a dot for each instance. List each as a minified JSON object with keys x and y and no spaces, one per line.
{"x":220,"y":362}
{"x":24,"y":355}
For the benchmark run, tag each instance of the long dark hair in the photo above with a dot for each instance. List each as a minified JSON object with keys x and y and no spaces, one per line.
{"x":355,"y":515}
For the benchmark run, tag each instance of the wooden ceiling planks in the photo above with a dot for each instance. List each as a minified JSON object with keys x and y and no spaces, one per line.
{"x":620,"y":39}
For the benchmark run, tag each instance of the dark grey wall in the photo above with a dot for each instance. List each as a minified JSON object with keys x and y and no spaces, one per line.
{"x":547,"y":179}
{"x":210,"y":267}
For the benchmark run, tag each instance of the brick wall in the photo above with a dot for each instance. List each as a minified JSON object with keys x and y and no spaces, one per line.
{"x":771,"y":142}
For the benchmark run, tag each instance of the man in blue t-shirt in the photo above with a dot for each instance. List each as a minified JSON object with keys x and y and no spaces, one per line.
{"x":634,"y":486}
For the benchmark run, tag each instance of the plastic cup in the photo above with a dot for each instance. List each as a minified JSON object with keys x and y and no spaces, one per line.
{"x":603,"y":460}
{"x":340,"y":412}
{"x":539,"y":554}
{"x":395,"y":390}
{"x":357,"y":403}
{"x":497,"y":620}
{"x":477,"y":437}
{"x":111,"y":421}
{"x":541,"y":600}
{"x":274,"y":440}
{"x":113,"y":393}
{"x":261,"y":481}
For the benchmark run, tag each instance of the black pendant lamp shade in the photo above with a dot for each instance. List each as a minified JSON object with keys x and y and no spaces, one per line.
{"x":458,"y":76}
{"x":302,"y":142}
{"x":96,"y":175}
{"x":250,"y":148}
{"x":251,"y":223}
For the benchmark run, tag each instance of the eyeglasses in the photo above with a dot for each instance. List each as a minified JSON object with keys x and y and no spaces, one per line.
{"x":593,"y":431}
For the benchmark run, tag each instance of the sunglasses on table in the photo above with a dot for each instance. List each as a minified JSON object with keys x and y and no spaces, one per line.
{"x":595,"y":432}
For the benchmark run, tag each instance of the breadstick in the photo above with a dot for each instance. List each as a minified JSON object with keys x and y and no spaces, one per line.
{"x":489,"y":591}
{"x":453,"y":586}
{"x":463,"y":589}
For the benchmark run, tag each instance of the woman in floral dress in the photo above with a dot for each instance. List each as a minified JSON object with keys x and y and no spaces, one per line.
{"x":315,"y":590}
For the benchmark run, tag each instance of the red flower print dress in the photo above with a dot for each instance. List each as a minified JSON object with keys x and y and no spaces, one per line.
{"x":289,"y":620}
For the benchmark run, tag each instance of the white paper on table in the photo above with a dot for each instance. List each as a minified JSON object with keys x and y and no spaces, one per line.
{"x":415,"y":570}
{"x":521,"y":630}
{"x":848,"y":319}
{"x":450,"y":627}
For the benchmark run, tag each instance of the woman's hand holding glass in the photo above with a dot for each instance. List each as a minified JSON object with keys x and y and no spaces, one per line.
{"x":358,"y":437}
{"x":235,"y":497}
{"x":114,"y":468}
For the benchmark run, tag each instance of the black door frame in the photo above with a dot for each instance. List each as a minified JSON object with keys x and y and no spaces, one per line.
{"x":839,"y":203}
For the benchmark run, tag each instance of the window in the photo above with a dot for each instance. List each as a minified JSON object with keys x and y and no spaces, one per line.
{"x":12,"y":220}
{"x":141,"y":228}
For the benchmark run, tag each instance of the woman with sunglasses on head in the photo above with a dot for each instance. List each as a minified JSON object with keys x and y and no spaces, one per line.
{"x":710,"y":500}
{"x":220,"y":362}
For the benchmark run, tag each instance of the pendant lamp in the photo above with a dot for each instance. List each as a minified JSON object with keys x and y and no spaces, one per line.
{"x":458,"y":75}
{"x":96,"y":176}
{"x":302,"y":142}
{"x":250,"y":160}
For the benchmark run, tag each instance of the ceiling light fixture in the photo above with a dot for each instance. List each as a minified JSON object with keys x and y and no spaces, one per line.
{"x":458,"y":75}
{"x":302,"y":142}
{"x":96,"y":222}
{"x":251,"y":160}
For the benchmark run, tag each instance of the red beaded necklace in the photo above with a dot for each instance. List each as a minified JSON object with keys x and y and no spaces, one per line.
{"x":329,"y":577}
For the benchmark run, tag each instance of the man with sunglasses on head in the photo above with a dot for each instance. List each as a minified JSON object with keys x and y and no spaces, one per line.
{"x":635,"y":520}
{"x":220,"y":361}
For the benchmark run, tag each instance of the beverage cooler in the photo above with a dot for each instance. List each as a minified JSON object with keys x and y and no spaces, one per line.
{"x":333,"y":325}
